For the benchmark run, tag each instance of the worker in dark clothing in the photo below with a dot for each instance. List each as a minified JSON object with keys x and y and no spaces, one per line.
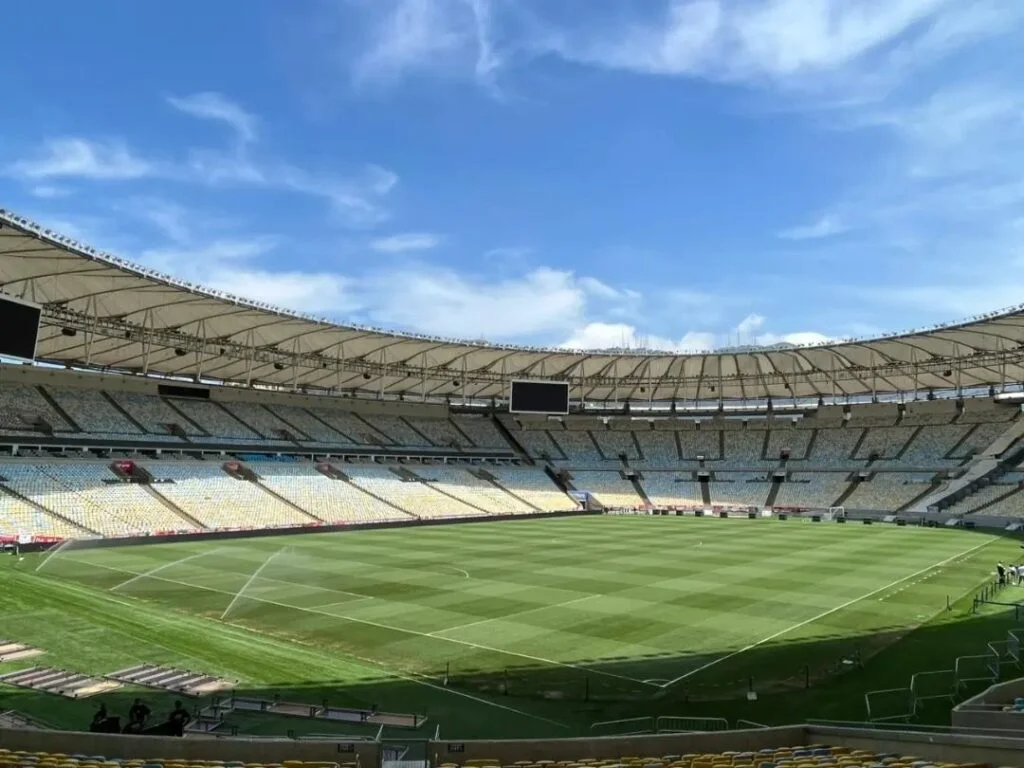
{"x":99,"y":719}
{"x":179,"y":719}
{"x":138,"y":714}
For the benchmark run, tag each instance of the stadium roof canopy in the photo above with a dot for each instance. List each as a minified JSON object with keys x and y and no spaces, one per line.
{"x":102,"y":312}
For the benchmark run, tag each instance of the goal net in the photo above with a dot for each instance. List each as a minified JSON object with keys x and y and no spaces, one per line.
{"x":834,"y":513}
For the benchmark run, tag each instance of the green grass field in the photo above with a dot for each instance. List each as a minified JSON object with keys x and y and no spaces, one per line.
{"x":542,"y":626}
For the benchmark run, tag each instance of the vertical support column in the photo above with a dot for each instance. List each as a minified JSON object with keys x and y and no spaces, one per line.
{"x":792,"y":379}
{"x":250,"y":356}
{"x":874,"y":376}
{"x":295,"y":365}
{"x":832,"y":366}
{"x":721,"y":384}
{"x":615,"y":382}
{"x":383,"y":373}
{"x":341,"y":365}
{"x":959,"y":369}
{"x":506,"y":387}
{"x":650,"y":383}
{"x":465,"y":368}
{"x":913,"y":366}
{"x":147,"y":340}
{"x":423,"y":377}
{"x":201,"y":351}
{"x":90,"y":331}
{"x":1002,"y":364}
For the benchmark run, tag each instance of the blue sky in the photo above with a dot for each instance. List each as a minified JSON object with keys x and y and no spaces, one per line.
{"x":679,"y":174}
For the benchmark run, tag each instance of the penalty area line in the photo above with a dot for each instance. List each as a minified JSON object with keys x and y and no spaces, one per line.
{"x":822,"y":615}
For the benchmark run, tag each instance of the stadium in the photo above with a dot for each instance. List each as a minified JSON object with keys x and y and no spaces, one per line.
{"x":330,"y":539}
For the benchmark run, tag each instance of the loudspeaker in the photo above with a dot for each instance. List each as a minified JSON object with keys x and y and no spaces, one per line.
{"x":815,"y":518}
{"x":783,"y":516}
{"x":867,"y":521}
{"x":900,"y":521}
{"x":751,"y":515}
{"x":968,"y":524}
{"x":723,"y":514}
{"x":840,"y":519}
{"x":698,"y":513}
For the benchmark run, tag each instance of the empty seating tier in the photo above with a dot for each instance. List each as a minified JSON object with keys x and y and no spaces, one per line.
{"x":331,"y":500}
{"x":533,"y":487}
{"x":609,"y":487}
{"x":91,"y":496}
{"x":414,"y":496}
{"x":668,"y":489}
{"x":217,"y":500}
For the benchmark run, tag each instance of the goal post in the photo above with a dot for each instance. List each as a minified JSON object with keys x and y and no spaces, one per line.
{"x":834,"y":513}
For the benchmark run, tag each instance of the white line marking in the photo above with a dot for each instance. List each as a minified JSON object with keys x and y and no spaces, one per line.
{"x":322,"y":589}
{"x":366,"y":663}
{"x":390,"y":627}
{"x":465,"y":575}
{"x":255,"y":575}
{"x":161,"y":568}
{"x":415,"y":678}
{"x":343,"y":602}
{"x":440,"y":632}
{"x":820,"y":616}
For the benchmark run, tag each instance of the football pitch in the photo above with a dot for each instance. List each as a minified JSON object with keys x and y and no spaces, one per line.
{"x":525,"y":627}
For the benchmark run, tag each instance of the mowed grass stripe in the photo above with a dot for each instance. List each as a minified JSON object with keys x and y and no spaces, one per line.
{"x":714,"y":609}
{"x":377,"y":625}
{"x":110,"y":636}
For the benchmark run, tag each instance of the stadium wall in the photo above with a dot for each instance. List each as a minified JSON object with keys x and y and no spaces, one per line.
{"x":936,"y":747}
{"x":255,"y":533}
{"x":985,"y":709}
{"x":117,"y":746}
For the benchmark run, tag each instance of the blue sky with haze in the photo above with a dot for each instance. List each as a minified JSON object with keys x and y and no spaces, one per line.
{"x":680,"y":174}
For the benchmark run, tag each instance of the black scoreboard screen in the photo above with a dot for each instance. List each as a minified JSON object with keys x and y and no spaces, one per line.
{"x":20,"y":323}
{"x":539,"y":397}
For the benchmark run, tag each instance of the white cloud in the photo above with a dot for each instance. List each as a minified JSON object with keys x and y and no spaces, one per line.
{"x":317,"y":293}
{"x":75,"y":157}
{"x":415,"y":35}
{"x":826,"y":226}
{"x":215,"y":106}
{"x":801,"y":43}
{"x":49,"y":192}
{"x":357,"y":200}
{"x":799,"y":338}
{"x":542,"y":302}
{"x":235,"y":267}
{"x":404,"y":243}
{"x":600,"y":289}
{"x":957,"y":300}
{"x":597,"y":335}
{"x":750,"y":324}
{"x":507,"y":255}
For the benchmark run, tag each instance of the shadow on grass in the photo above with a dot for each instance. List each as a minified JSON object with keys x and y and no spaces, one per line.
{"x":304,"y":657}
{"x":795,"y":681}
